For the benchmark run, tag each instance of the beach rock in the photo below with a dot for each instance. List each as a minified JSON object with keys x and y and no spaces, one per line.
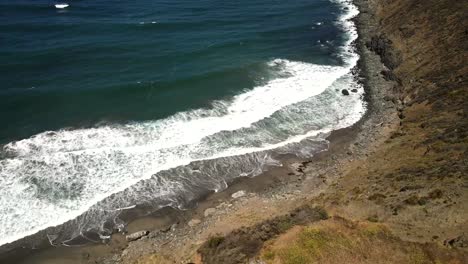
{"x":221,"y":205}
{"x":209,"y":212}
{"x":194,"y":222}
{"x":354,"y":90}
{"x":345,"y":92}
{"x":238,"y":194}
{"x":137,"y":235}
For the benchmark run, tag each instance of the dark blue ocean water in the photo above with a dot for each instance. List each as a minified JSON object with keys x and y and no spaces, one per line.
{"x":116,"y":61}
{"x":109,"y":106}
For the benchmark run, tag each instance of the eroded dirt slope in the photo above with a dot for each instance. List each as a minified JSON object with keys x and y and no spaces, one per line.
{"x":417,"y":180}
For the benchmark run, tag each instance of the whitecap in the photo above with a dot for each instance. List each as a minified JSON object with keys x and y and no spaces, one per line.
{"x":62,"y":6}
{"x":54,"y":177}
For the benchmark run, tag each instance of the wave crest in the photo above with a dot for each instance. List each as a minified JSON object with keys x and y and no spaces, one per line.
{"x":64,"y":173}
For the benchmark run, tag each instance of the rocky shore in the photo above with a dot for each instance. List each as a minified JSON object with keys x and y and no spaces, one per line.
{"x":396,"y":181}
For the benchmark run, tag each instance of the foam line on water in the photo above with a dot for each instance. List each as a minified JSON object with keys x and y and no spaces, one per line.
{"x":304,"y":80}
{"x":64,"y":173}
{"x":87,"y":165}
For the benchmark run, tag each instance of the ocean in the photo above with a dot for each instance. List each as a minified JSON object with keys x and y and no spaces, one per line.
{"x":107,"y":106}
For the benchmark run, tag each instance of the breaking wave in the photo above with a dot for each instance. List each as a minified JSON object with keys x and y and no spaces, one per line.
{"x":92,"y":174}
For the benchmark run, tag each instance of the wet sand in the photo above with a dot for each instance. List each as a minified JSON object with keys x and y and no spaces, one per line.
{"x":288,"y":180}
{"x":166,"y":218}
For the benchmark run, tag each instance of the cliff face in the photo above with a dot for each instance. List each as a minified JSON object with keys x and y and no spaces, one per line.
{"x":429,"y":54}
{"x":417,"y":181}
{"x":430,"y":39}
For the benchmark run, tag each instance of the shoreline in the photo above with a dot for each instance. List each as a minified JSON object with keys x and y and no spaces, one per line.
{"x":88,"y":196}
{"x":166,"y":219}
{"x":274,"y":182}
{"x":373,"y":172}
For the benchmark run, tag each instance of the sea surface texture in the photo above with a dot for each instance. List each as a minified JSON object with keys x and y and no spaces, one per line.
{"x":110,"y":106}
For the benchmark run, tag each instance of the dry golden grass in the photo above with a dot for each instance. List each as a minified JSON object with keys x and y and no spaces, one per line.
{"x":341,"y":241}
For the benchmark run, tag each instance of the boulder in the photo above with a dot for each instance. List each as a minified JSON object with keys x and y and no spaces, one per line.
{"x":194,"y":222}
{"x":137,"y":235}
{"x":209,"y":212}
{"x":238,"y":194}
{"x":354,"y":90}
{"x":345,"y":92}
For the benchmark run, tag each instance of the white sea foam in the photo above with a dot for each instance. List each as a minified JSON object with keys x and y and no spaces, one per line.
{"x":61,"y":6}
{"x":55,"y":176}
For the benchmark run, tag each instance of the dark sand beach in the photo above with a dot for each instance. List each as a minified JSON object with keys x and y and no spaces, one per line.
{"x":393,"y":169}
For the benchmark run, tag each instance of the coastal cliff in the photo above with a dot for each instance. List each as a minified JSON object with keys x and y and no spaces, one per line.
{"x":392,"y":188}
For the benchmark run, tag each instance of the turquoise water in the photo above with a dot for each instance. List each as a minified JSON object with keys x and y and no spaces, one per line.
{"x":143,"y":104}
